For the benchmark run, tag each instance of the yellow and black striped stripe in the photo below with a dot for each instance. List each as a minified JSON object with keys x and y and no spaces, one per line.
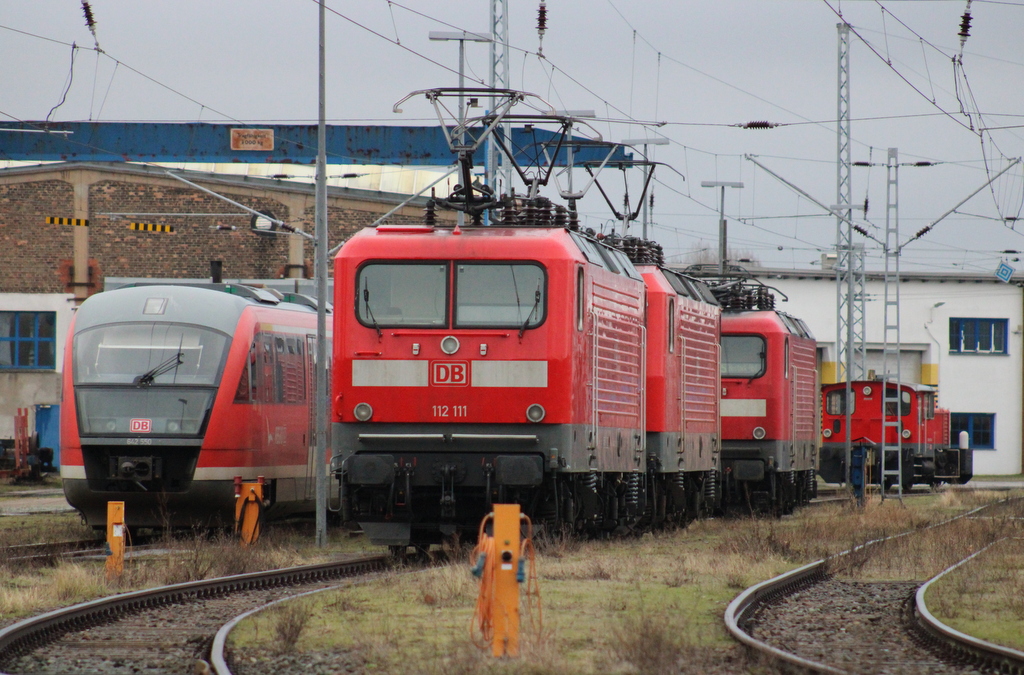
{"x":78,"y":222}
{"x":151,"y":227}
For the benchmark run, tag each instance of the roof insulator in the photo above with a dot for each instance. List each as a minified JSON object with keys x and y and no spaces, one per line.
{"x":965,"y":27}
{"x":542,"y":25}
{"x":89,"y":20}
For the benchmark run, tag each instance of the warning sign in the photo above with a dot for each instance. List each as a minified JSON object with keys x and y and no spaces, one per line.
{"x":252,"y":139}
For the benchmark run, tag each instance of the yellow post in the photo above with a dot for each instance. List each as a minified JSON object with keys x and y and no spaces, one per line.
{"x":115,"y":539}
{"x":249,"y":511}
{"x":505,"y":607}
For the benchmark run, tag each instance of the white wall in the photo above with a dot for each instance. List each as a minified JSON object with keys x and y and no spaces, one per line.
{"x":26,"y":389}
{"x":968,"y":383}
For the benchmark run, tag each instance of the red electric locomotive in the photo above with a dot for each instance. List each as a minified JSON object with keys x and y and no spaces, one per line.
{"x":769,"y":402}
{"x":171,"y":392}
{"x":486,"y":365}
{"x":923,"y":434}
{"x":683,"y":435}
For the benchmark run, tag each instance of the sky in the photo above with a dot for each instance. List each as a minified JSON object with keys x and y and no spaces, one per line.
{"x":690,"y":72}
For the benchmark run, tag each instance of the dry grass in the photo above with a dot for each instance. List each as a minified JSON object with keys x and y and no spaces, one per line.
{"x":994,"y":584}
{"x":645,"y":605}
{"x":27,"y":590}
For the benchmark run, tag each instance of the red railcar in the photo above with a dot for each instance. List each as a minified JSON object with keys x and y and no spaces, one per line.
{"x":769,"y":409}
{"x":922,"y":432}
{"x":171,"y":392}
{"x":497,"y":364}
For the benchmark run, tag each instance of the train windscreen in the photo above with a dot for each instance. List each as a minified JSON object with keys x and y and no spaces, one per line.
{"x":149,"y":354}
{"x":499,"y":295}
{"x":743,"y":356}
{"x":160,"y":411}
{"x":157,"y":378}
{"x":402,"y":294}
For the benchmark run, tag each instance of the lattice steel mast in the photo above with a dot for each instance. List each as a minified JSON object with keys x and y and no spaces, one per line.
{"x":850,"y":350}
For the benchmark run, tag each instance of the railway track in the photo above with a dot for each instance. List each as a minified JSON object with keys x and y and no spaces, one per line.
{"x":160,"y":630}
{"x":818,"y":623}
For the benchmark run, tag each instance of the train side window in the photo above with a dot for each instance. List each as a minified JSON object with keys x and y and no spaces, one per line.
{"x":785,"y":360}
{"x":743,"y":356}
{"x":890,"y":410}
{"x":834,"y":402}
{"x":929,"y":405}
{"x":580,"y":299}
{"x":671,"y":320}
{"x":243,"y":392}
{"x":393,"y":294}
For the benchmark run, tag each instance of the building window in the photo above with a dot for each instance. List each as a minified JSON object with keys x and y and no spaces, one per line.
{"x":980,"y":427}
{"x":977,"y":336}
{"x":28,"y":340}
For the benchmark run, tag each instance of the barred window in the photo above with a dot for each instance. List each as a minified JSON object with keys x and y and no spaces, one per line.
{"x":28,"y":340}
{"x":977,"y":336}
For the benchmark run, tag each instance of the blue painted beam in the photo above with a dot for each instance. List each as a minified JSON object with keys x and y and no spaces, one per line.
{"x":292,"y":143}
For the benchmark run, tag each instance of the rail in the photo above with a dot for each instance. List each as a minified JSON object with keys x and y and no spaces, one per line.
{"x":746,"y":604}
{"x":31,"y":633}
{"x":1001,"y":659}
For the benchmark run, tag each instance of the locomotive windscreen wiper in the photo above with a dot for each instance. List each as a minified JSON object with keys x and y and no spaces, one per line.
{"x":536,"y":304}
{"x":170,"y":364}
{"x":366,"y":300}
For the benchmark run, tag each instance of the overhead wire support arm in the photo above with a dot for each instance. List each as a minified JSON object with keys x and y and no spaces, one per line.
{"x":832,"y":211}
{"x":923,"y":231}
{"x":280,"y":223}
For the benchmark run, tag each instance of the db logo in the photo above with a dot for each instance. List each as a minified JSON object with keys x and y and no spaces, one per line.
{"x":140,"y":426}
{"x":449,"y":373}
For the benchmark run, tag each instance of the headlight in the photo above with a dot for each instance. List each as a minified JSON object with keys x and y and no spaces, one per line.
{"x":758,"y":433}
{"x":867,"y":391}
{"x":363,"y":412}
{"x":905,"y":433}
{"x":827,"y":433}
{"x":172,"y":427}
{"x":450,"y":344}
{"x":535,"y":413}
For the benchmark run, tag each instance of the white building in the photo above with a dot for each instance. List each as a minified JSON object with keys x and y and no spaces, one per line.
{"x":962,"y":333}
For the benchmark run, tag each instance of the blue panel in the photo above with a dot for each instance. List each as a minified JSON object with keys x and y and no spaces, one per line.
{"x":198,"y":142}
{"x":48,"y":429}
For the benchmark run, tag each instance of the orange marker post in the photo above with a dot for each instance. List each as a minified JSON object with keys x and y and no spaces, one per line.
{"x":505,"y":603}
{"x":115,"y":539}
{"x":248,"y":510}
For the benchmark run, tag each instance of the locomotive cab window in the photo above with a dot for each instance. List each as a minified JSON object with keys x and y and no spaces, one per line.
{"x":834,"y":402}
{"x":928,"y":401}
{"x":402,"y":294}
{"x":500,"y":295}
{"x":890,"y":409}
{"x":743,"y":356}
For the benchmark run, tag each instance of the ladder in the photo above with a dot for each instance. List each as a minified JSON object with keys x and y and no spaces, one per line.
{"x":892,"y":438}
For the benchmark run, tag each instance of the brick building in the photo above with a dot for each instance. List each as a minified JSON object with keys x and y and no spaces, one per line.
{"x":48,"y":268}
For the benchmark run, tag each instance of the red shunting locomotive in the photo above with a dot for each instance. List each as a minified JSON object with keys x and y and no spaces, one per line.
{"x":923,"y":434}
